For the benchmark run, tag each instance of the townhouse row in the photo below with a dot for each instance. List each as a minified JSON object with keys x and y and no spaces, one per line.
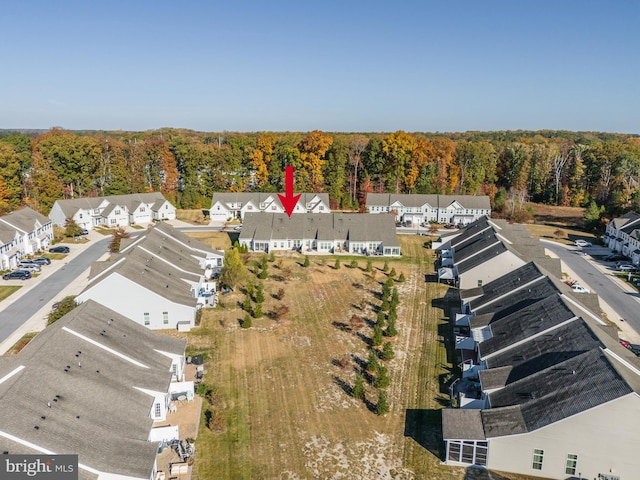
{"x":546,"y":388}
{"x":407,"y":208}
{"x":99,"y":382}
{"x":23,"y":232}
{"x":113,"y":211}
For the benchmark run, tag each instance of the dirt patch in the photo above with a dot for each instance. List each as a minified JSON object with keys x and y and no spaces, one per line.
{"x":558,"y":216}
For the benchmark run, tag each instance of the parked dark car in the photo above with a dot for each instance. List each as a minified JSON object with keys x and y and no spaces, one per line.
{"x":59,"y":249}
{"x":614,"y":257}
{"x":17,"y":275}
{"x":635,"y":348}
{"x":42,"y":261}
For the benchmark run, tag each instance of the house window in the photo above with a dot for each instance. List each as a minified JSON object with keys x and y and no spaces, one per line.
{"x":166,"y":207}
{"x":165,"y":318}
{"x":157,"y":411}
{"x":537,"y":459}
{"x":174,"y":369}
{"x":142,"y":209}
{"x":113,"y":221}
{"x":273,"y":207}
{"x":79,"y":215}
{"x":146,"y":318}
{"x":572,"y":464}
{"x":479,"y":283}
{"x":321,"y":208}
{"x":470,"y":452}
{"x":117,"y":212}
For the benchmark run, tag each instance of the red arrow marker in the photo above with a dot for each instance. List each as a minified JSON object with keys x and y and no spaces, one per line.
{"x":289,"y":200}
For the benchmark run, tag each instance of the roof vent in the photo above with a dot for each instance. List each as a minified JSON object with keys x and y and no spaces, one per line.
{"x":43,"y":417}
{"x":36,"y":427}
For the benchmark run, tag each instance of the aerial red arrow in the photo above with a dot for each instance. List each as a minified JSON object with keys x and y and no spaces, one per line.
{"x":289,"y":200}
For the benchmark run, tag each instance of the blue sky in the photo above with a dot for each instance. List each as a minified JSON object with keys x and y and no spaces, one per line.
{"x":335,"y":66}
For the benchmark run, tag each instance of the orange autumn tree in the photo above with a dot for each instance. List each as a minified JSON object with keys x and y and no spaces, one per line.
{"x":397,"y":148}
{"x":313,"y":148}
{"x":261,"y":157}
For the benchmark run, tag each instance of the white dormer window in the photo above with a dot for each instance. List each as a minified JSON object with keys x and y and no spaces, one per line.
{"x":117,"y":212}
{"x":273,"y":207}
{"x":249,"y":207}
{"x":142,"y":209}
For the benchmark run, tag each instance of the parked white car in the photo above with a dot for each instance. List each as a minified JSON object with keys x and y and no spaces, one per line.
{"x":582,"y":243}
{"x":31,"y":267}
{"x":625,"y":267}
{"x":579,"y":288}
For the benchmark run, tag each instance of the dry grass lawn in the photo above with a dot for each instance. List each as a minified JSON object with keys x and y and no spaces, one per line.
{"x":562,"y":224}
{"x":283,"y":385}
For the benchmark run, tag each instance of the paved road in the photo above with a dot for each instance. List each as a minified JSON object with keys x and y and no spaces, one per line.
{"x":24,"y":307}
{"x":625,"y":301}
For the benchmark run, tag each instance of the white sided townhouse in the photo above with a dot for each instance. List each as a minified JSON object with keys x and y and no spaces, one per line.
{"x":113,"y":211}
{"x":159,"y":279}
{"x":225,"y":206}
{"x":418,"y":208}
{"x":23,"y":232}
{"x":622,"y":235}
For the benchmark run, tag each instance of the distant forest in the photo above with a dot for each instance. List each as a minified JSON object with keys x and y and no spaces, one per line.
{"x":600,"y":170}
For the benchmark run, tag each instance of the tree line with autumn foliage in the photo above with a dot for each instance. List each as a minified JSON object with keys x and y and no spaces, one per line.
{"x":553,"y":167}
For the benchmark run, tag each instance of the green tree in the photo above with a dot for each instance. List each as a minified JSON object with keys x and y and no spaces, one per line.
{"x":260,"y":293}
{"x":382,"y":407}
{"x":369,"y":266}
{"x":392,"y":273}
{"x":380,"y":319}
{"x":247,"y":322}
{"x":389,"y":282}
{"x":384,"y":306}
{"x":306,"y":261}
{"x":385,"y":268}
{"x":395,"y":299}
{"x":393,"y":313}
{"x":337,"y":264}
{"x":387,"y":351}
{"x":391,"y":328}
{"x":257,"y":312}
{"x":264,"y":273}
{"x":372,"y":361}
{"x":376,"y":338}
{"x":334,"y":173}
{"x":593,"y":218}
{"x":246,"y":305}
{"x":402,"y":278}
{"x":233,"y":271}
{"x":64,"y":306}
{"x":71,"y":228}
{"x":353,"y":264}
{"x":382,"y":377}
{"x":358,"y":388}
{"x":250,"y":289}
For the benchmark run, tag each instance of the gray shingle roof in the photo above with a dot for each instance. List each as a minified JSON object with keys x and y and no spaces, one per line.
{"x":140,"y":263}
{"x":542,"y":352}
{"x":355,"y":227}
{"x":526,"y":322}
{"x":24,"y":219}
{"x":131,"y":201}
{"x":97,"y":409}
{"x":507,"y":284}
{"x":462,"y":424}
{"x":562,"y":390}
